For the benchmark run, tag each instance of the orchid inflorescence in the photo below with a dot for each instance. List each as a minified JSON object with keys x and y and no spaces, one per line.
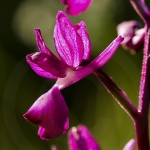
{"x":73,"y":46}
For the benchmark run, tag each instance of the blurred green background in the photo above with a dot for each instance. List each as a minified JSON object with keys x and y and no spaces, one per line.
{"x":88,"y":101}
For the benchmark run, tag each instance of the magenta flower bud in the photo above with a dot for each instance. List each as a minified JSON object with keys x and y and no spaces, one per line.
{"x":53,"y":147}
{"x":81,"y":139}
{"x":133,"y":35}
{"x":75,"y":7}
{"x":130,"y":145}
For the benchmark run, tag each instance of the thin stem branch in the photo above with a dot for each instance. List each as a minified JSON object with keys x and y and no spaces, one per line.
{"x":117,"y":93}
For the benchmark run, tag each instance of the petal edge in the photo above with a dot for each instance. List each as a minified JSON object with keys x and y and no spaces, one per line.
{"x":50,"y":112}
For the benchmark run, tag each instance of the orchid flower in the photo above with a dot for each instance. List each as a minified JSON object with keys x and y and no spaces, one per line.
{"x":80,"y":138}
{"x":75,"y":7}
{"x":73,"y":47}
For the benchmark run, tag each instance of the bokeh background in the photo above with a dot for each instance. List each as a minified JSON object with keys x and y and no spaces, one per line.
{"x":88,"y":101}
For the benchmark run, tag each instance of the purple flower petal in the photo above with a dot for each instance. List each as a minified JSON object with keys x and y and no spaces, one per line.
{"x":41,"y":45}
{"x":75,"y":7}
{"x":81,"y":29}
{"x":81,"y":139}
{"x":38,"y":70}
{"x":105,"y":56}
{"x":40,"y":42}
{"x":51,"y":114}
{"x":68,"y":43}
{"x":46,"y":66}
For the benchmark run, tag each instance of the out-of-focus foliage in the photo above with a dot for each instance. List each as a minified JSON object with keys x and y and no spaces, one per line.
{"x":88,"y":101}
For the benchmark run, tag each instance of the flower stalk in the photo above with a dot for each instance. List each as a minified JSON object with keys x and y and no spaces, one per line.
{"x":117,"y":93}
{"x":141,"y":123}
{"x":138,"y":115}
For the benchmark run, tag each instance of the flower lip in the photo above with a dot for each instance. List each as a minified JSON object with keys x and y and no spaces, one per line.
{"x":50,"y":112}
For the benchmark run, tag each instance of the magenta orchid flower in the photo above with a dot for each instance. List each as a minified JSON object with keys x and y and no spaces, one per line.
{"x":80,"y":138}
{"x":75,"y":7}
{"x":73,"y":47}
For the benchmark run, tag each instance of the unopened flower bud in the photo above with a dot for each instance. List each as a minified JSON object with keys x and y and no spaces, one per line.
{"x":130,"y":145}
{"x":53,"y":147}
{"x":80,"y":138}
{"x":133,"y":35}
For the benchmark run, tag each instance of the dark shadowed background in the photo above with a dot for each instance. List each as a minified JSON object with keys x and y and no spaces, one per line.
{"x":88,"y":101}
